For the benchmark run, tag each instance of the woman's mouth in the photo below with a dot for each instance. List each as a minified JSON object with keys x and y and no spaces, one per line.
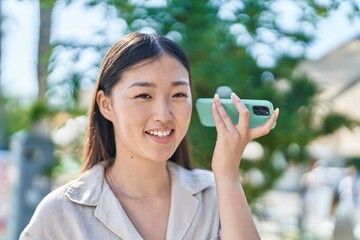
{"x":160,"y":133}
{"x":160,"y":136}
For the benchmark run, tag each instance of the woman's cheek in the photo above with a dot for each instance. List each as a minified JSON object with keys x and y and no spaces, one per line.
{"x":186,"y":112}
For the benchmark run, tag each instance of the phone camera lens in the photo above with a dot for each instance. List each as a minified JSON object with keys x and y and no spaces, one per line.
{"x":261,"y":110}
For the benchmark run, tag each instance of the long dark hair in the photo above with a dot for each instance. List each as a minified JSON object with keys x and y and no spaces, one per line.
{"x":127,"y":52}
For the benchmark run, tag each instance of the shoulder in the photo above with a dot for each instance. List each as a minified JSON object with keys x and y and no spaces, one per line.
{"x":67,"y":206}
{"x":46,"y":213}
{"x":84,"y":190}
{"x":54,"y":199}
{"x":54,"y":203}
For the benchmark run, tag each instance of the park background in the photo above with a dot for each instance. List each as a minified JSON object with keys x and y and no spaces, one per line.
{"x":301,"y":55}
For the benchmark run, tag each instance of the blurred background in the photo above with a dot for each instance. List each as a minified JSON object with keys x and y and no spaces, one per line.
{"x":301,"y":180}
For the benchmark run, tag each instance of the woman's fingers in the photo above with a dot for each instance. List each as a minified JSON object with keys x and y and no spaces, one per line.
{"x":220,"y":115}
{"x":244,"y":114}
{"x":219,"y":125}
{"x":266,"y":127}
{"x":223,"y":121}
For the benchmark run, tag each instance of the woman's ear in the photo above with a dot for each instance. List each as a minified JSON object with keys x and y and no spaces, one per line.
{"x":104,"y":103}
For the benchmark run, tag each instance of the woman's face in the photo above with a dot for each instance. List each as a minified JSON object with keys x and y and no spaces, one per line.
{"x":150,"y":109}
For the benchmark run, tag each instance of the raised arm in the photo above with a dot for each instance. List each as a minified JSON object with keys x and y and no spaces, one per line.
{"x":236,"y":220}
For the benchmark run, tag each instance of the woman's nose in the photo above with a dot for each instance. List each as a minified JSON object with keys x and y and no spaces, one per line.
{"x":162,"y":112}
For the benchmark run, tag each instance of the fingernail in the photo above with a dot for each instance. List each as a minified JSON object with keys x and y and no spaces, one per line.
{"x":234,"y":95}
{"x":216,"y":96}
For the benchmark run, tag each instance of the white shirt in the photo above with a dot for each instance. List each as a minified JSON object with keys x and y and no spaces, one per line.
{"x":86,"y":208}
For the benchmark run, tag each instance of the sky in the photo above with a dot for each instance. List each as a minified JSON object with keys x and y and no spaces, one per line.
{"x":20,"y":43}
{"x":19,"y":47}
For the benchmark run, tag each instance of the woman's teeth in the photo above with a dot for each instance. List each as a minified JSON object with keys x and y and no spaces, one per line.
{"x":164,"y":133}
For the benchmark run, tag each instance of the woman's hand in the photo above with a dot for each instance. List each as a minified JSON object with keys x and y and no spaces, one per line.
{"x":232,"y":139}
{"x":235,"y":216}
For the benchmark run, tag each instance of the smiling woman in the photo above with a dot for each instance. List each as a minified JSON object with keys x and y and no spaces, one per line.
{"x":137,"y":175}
{"x":151,"y":97}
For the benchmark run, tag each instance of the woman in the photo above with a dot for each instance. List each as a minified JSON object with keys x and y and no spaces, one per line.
{"x":136,"y":181}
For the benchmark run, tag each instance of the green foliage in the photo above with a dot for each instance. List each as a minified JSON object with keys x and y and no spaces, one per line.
{"x":16,"y":118}
{"x":21,"y":117}
{"x":38,"y":110}
{"x":226,"y":42}
{"x":220,"y":56}
{"x":47,"y":3}
{"x":335,"y":121}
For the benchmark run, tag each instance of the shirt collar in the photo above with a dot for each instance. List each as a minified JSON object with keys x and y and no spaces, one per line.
{"x":88,"y":188}
{"x":91,"y":189}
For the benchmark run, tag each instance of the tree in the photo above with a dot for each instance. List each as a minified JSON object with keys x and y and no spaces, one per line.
{"x":44,"y":48}
{"x":2,"y":122}
{"x":29,"y":114}
{"x":242,"y":44}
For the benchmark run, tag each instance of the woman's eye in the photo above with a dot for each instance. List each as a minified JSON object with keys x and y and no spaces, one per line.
{"x":144,"y":96}
{"x":179,"y":95}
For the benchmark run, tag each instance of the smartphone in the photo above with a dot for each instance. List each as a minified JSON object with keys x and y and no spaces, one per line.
{"x":260,"y":111}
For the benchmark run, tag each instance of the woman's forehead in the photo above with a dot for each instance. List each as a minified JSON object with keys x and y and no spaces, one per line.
{"x":157,"y":61}
{"x":163,"y":69}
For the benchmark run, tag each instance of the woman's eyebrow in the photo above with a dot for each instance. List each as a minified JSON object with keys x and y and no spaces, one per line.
{"x":180,"y":83}
{"x":153,"y":85}
{"x":142,"y":84}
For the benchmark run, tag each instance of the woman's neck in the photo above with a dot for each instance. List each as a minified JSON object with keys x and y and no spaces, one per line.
{"x":138,"y":179}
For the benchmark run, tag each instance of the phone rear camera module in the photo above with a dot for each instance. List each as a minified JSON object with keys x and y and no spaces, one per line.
{"x":261,"y":110}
